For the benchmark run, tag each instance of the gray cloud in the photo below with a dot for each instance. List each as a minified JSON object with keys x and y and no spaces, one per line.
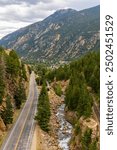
{"x":82,"y":4}
{"x":31,"y":2}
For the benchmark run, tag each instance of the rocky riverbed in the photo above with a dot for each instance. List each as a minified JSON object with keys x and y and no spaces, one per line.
{"x":65,"y":129}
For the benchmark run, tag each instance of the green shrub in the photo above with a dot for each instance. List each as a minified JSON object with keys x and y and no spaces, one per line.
{"x":86,"y":139}
{"x":58,"y":90}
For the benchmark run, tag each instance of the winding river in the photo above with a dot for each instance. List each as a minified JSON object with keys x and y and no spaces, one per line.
{"x":65,"y":130}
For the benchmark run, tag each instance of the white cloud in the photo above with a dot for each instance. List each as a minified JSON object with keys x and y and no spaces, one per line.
{"x":9,"y":27}
{"x":15,"y":14}
{"x":10,"y":2}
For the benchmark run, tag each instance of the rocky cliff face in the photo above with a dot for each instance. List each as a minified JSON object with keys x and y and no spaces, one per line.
{"x":64,"y":35}
{"x":2,"y":126}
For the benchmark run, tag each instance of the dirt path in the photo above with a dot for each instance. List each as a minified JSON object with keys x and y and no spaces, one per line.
{"x":43,"y":141}
{"x":34,"y":141}
{"x":38,"y":142}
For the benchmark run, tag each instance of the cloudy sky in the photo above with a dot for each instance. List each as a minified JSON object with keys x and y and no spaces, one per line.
{"x":15,"y":14}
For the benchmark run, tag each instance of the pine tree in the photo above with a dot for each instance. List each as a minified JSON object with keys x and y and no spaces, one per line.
{"x":2,"y":83}
{"x":85,"y":103}
{"x":43,"y":113}
{"x":86,"y":139}
{"x":94,"y":81}
{"x":19,"y":96}
{"x":7,"y":113}
{"x":24,"y":71}
{"x":12,"y":64}
{"x":93,"y":145}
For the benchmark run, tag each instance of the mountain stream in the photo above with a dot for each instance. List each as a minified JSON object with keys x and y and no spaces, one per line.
{"x":65,"y":130}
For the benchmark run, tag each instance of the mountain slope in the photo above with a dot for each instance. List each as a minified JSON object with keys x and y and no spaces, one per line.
{"x":64,"y":35}
{"x":13,"y":88}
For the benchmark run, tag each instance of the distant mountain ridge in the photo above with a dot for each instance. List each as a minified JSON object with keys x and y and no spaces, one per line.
{"x":64,"y":35}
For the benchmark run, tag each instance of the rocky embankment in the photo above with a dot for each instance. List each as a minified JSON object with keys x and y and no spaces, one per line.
{"x":84,"y":124}
{"x":2,"y":127}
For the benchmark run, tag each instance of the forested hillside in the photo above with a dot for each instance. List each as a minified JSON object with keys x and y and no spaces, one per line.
{"x":84,"y":73}
{"x":13,"y":84}
{"x":81,"y":95}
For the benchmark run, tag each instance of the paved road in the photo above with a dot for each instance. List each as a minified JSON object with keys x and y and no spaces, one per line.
{"x":20,"y":136}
